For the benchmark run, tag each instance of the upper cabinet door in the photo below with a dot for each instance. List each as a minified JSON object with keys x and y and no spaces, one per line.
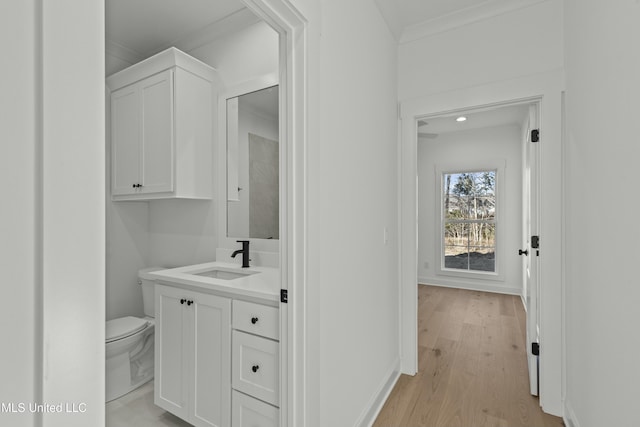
{"x":156,"y":93}
{"x":125,"y":140}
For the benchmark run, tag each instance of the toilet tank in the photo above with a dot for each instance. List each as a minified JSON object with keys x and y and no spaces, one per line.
{"x":148,"y":290}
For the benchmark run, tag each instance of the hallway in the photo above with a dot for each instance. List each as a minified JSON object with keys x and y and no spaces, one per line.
{"x":472,"y":365}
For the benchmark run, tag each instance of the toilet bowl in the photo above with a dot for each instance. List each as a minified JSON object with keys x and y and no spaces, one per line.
{"x":129,"y":345}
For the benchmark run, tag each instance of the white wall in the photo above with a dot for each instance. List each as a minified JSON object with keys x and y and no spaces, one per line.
{"x":52,"y":227}
{"x":518,"y":43}
{"x":499,"y":142}
{"x":20,"y":260}
{"x":352,"y":291}
{"x":73,"y":222}
{"x":171,"y":233}
{"x":601,"y":160}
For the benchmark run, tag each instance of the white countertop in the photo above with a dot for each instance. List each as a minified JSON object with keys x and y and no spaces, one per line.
{"x":264,"y":284}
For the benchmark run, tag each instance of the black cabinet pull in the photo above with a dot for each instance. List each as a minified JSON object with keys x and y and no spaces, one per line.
{"x":189,"y":302}
{"x":521,"y":252}
{"x":254,"y":320}
{"x":255,"y":368}
{"x":182,"y":301}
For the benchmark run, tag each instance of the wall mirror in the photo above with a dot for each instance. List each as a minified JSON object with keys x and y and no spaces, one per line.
{"x":253,"y":154}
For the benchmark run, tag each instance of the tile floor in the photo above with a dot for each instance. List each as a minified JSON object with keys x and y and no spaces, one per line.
{"x":136,"y":409}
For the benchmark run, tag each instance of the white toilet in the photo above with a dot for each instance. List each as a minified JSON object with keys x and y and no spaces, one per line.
{"x":130,"y":342}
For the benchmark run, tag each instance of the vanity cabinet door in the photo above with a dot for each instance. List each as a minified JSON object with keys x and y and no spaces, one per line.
{"x":193,"y":356}
{"x":211,"y":358}
{"x":171,"y":351}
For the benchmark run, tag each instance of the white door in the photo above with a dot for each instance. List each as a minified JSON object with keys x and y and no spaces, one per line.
{"x":530,"y":248}
{"x":156,"y":93}
{"x":171,"y":362}
{"x":211,"y":359}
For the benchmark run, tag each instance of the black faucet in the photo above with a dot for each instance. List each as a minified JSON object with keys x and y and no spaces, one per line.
{"x":244,"y":251}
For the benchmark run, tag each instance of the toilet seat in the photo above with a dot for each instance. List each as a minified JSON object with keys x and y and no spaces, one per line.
{"x":123,"y":327}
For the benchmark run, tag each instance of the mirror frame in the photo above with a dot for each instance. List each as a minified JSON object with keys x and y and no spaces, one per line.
{"x":260,"y":245}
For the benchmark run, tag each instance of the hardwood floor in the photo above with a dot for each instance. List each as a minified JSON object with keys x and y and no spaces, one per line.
{"x":472,"y":365}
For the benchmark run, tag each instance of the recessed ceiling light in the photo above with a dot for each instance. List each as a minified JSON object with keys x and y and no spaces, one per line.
{"x":461,"y":119}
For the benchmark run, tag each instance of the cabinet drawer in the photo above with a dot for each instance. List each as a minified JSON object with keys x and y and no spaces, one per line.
{"x":256,"y":319}
{"x":250,"y":412}
{"x":256,"y":366}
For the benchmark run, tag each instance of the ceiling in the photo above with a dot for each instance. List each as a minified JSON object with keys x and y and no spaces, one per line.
{"x":147,"y":26}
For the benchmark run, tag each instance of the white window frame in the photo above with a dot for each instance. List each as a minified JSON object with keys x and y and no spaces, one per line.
{"x":463,"y":166}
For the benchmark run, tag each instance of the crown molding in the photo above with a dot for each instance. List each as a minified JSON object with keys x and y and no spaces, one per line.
{"x":463,"y":17}
{"x":229,"y":24}
{"x":124,"y":53}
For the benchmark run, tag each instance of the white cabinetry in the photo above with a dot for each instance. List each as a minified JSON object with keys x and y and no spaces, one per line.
{"x":250,"y":412}
{"x":217,"y":358}
{"x":255,"y":366}
{"x":162,"y":128}
{"x":193,"y":337}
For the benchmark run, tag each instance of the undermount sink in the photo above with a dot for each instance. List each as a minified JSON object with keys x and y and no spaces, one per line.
{"x":225,"y":273}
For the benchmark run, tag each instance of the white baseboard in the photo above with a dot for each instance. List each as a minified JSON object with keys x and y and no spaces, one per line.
{"x":369,"y":415}
{"x":483,"y":287}
{"x":569,"y":417}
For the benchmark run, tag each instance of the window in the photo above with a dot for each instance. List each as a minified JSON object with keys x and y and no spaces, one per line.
{"x":469,"y":203}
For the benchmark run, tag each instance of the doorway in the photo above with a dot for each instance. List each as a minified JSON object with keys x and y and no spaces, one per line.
{"x":546,"y":88}
{"x":289,"y":24}
{"x":477,"y":204}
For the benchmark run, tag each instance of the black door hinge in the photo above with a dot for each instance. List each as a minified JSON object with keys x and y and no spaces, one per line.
{"x":284,"y":296}
{"x":535,"y":349}
{"x":535,"y":135}
{"x":535,"y":242}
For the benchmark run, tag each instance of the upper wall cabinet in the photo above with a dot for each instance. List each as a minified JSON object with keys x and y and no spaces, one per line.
{"x":162,"y":128}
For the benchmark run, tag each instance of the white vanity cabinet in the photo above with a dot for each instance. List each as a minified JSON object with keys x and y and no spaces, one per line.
{"x":161,"y":126}
{"x":192,"y":357}
{"x":217,"y":354}
{"x":255,"y":365}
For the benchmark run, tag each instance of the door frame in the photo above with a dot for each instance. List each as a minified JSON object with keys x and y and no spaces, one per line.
{"x":291,"y":26}
{"x":548,"y":88}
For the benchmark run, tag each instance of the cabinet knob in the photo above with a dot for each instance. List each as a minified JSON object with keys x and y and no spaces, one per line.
{"x":182,"y":301}
{"x":254,"y":320}
{"x":189,"y":302}
{"x":255,"y":368}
